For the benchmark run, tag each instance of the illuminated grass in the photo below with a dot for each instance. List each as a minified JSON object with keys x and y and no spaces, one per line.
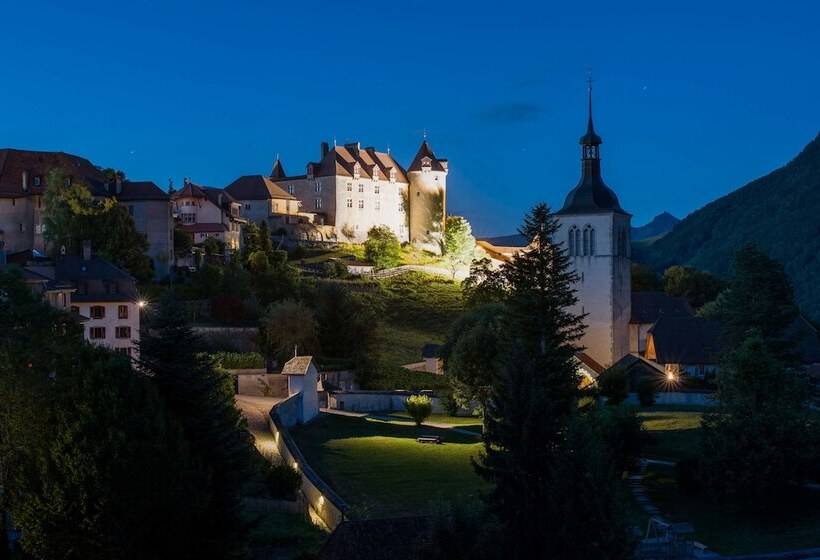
{"x":672,"y":434}
{"x":381,"y":470}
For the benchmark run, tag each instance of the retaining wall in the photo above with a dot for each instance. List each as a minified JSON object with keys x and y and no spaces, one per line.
{"x":375,"y":401}
{"x":323,"y":502}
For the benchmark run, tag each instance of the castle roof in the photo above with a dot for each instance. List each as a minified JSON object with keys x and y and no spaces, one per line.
{"x":425,"y":151}
{"x":345,"y":161}
{"x":256,"y":187}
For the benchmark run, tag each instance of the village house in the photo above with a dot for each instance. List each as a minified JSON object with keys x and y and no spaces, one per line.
{"x":101,"y":296}
{"x":263,"y":200}
{"x":23,"y":178}
{"x":208,"y":213}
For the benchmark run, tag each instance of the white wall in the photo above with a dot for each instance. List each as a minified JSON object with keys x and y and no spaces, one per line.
{"x":428,"y":206}
{"x":604,"y":286}
{"x":110,"y":322}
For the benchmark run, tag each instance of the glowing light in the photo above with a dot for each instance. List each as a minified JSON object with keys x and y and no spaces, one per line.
{"x":295,"y":466}
{"x":321,"y":501}
{"x":142,"y":303}
{"x":670,"y":376}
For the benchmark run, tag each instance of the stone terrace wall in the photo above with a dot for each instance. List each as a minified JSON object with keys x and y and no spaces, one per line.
{"x":323,"y":502}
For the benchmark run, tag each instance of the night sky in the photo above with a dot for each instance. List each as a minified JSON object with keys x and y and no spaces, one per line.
{"x":692,"y":99}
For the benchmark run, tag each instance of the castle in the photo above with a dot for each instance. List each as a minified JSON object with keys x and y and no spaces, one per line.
{"x":352,"y":189}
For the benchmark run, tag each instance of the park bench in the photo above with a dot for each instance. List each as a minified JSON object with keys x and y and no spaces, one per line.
{"x":429,"y":439}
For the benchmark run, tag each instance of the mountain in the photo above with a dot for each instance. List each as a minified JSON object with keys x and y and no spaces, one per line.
{"x":779,"y":212}
{"x":660,"y":225}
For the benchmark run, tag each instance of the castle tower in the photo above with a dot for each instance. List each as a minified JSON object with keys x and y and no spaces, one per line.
{"x":427,"y":198}
{"x":595,"y":231}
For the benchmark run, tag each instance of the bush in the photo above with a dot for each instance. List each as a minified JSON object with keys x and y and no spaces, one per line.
{"x":621,"y":432}
{"x":239,"y":360}
{"x":646,"y":391}
{"x":612,"y":385}
{"x":419,"y":407}
{"x":334,"y":269}
{"x":382,"y":247}
{"x":450,"y":404}
{"x":282,"y":481}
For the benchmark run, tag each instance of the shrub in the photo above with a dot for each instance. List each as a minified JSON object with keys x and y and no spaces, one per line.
{"x":450,"y":404}
{"x":612,"y":385}
{"x":646,"y":391}
{"x":334,"y":269}
{"x":240,"y":360}
{"x":282,"y":481}
{"x":621,"y":432}
{"x":419,"y":407}
{"x":382,"y":247}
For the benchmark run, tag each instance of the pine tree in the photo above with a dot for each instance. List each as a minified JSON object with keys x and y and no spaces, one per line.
{"x":530,"y":442}
{"x":201,"y":398}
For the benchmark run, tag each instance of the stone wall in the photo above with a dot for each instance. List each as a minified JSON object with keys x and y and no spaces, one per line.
{"x":259,"y":383}
{"x":375,"y":401}
{"x":323,"y":502}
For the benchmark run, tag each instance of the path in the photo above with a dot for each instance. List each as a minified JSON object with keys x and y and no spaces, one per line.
{"x":255,"y":410}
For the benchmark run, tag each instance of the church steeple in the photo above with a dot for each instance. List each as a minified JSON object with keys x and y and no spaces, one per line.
{"x":591,"y":195}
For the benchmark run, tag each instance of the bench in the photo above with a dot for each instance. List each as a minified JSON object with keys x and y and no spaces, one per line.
{"x":429,"y":439}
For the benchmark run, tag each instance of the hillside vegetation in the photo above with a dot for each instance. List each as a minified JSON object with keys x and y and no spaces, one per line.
{"x":779,"y":212}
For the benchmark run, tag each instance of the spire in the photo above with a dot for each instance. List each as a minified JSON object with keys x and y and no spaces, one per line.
{"x":278,"y":171}
{"x":590,"y":138}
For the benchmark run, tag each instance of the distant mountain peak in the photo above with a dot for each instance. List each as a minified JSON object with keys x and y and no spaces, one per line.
{"x":659,"y":226}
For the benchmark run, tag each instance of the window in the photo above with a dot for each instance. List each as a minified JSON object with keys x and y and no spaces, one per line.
{"x":376,"y":188}
{"x":122,"y":332}
{"x":95,"y":333}
{"x":361,"y":187}
{"x":377,"y":205}
{"x":318,"y":186}
{"x":357,"y":170}
{"x":591,"y":241}
{"x":291,"y":190}
{"x":571,"y":243}
{"x":586,"y":241}
{"x":122,"y":312}
{"x":188,"y":218}
{"x":317,"y":204}
{"x":67,"y":181}
{"x":126,"y":350}
{"x":349,"y":203}
{"x":22,"y":228}
{"x":577,"y":242}
{"x":361,"y":204}
{"x":247,"y":206}
{"x":36,"y":180}
{"x":63,"y":300}
{"x":97,"y":312}
{"x":350,"y":187}
{"x":275,"y":206}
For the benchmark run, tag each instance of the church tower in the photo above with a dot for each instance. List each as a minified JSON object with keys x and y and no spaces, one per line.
{"x":595,"y":231}
{"x":427,"y":198}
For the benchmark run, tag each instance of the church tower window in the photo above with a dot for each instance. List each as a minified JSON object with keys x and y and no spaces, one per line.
{"x":586,"y":241}
{"x":571,"y":244}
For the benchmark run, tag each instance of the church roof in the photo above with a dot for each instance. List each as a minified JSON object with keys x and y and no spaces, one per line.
{"x":648,"y":307}
{"x":591,"y":195}
{"x":686,"y":340}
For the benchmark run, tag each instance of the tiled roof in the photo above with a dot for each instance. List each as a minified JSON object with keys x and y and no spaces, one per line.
{"x":190,"y":190}
{"x":648,"y":307}
{"x":585,"y":359}
{"x":38,"y":165}
{"x":342,"y":160}
{"x":139,"y":190}
{"x":256,"y":187}
{"x":686,"y":340}
{"x":425,"y":151}
{"x":95,"y":279}
{"x":297,"y":365}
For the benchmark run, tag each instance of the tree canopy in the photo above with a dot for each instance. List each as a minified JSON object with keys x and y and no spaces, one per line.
{"x":458,"y":244}
{"x":382,"y":247}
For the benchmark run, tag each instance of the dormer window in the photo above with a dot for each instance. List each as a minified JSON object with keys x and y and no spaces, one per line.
{"x":357,"y":170}
{"x":291,"y":190}
{"x":392,"y":175}
{"x":310,"y":171}
{"x":375,"y":173}
{"x":36,"y":180}
{"x":426,"y":164}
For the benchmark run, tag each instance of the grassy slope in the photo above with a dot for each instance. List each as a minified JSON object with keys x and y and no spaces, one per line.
{"x":278,"y":534}
{"x":673,"y":433}
{"x":380,"y":469}
{"x":418,"y":308}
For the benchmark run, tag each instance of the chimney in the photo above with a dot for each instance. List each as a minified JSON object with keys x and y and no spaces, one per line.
{"x":119,"y":184}
{"x":25,"y":181}
{"x":325,"y":149}
{"x":87,"y":250}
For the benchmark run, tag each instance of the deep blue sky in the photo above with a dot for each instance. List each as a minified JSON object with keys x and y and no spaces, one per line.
{"x":693,"y":99}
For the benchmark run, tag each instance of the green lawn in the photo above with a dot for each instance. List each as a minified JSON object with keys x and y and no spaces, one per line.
{"x":673,"y":434}
{"x":459,"y":421}
{"x":381,"y":470}
{"x":736,"y":531}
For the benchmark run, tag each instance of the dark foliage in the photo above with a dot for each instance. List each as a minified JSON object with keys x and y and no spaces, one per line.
{"x":613,"y":385}
{"x":778,"y":212}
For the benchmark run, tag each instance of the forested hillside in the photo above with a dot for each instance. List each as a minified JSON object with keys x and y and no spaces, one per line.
{"x":779,"y":212}
{"x":660,"y":225}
